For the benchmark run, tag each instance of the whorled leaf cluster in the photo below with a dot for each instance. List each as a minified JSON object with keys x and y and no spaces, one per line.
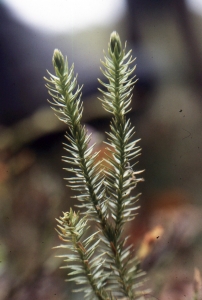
{"x":102,"y":263}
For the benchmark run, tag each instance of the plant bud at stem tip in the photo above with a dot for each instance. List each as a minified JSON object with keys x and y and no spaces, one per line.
{"x":58,"y":61}
{"x":115,"y":43}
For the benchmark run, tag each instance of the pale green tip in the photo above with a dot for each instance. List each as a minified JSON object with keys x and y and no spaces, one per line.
{"x":58,"y":61}
{"x":115,"y":43}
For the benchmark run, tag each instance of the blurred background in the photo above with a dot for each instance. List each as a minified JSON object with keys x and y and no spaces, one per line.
{"x":166,"y":38}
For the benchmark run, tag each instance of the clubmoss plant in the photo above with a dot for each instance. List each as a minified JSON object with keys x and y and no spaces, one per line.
{"x":102,"y":263}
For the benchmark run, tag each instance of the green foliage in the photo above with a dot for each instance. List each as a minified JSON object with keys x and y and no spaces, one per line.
{"x":102,"y":264}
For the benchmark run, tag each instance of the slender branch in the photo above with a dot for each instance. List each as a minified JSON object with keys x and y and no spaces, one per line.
{"x":71,"y":229}
{"x":121,"y":180}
